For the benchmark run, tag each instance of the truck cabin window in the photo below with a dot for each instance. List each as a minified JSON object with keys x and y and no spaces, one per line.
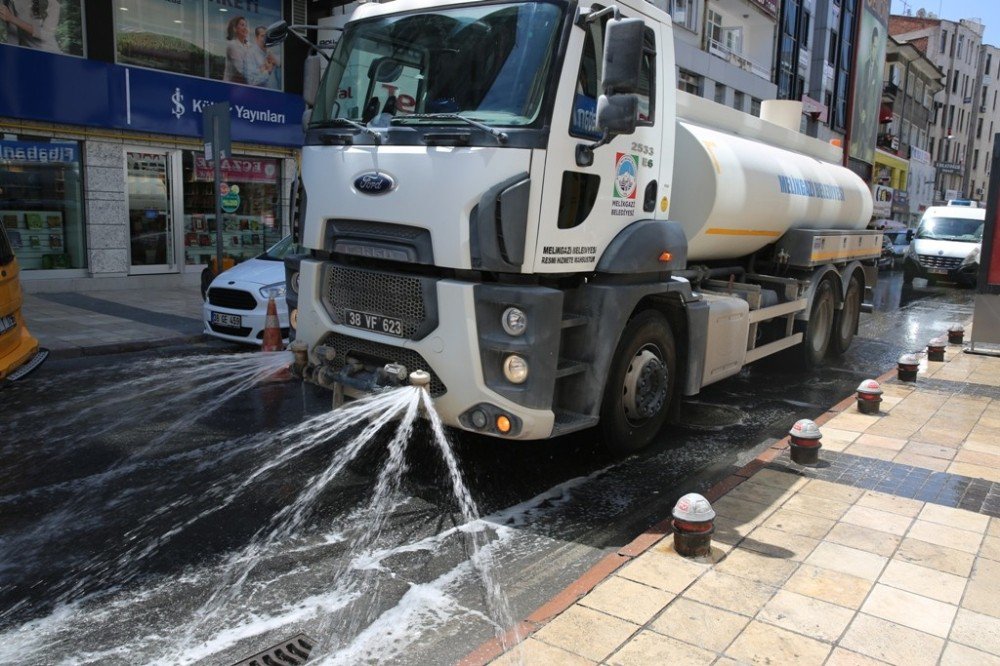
{"x":583,"y":121}
{"x":488,"y":63}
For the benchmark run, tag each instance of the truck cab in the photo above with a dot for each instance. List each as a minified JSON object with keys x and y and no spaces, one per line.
{"x":515,"y":198}
{"x":947,"y":244}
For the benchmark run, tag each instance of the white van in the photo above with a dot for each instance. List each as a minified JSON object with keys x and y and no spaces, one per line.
{"x":947,"y":244}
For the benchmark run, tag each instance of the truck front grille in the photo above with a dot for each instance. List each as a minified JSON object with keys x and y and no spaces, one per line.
{"x":378,"y":354}
{"x":933,"y":261}
{"x":409,"y":299}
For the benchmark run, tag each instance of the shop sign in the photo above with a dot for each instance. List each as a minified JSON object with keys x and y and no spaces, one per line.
{"x":37,"y":151}
{"x":883,"y":201}
{"x":238,"y":169}
{"x":137,"y":99}
{"x":949,"y":167}
{"x":230,"y":197}
{"x":919,"y":155}
{"x":769,"y":7}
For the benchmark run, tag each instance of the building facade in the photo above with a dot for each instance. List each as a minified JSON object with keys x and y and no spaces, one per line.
{"x":954,"y":47}
{"x":987,"y":122}
{"x":104,"y":177}
{"x":910,"y":83}
{"x":725,"y":49}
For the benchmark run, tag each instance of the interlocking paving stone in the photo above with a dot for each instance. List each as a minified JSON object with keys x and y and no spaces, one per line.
{"x":908,"y":481}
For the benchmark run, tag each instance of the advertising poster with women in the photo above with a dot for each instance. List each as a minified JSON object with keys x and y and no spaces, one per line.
{"x":216,"y":39}
{"x":55,"y":26}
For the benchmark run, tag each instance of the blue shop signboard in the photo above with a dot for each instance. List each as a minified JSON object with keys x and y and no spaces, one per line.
{"x":60,"y":89}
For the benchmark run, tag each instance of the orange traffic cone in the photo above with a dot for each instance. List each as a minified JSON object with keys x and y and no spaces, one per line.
{"x":272,"y":329}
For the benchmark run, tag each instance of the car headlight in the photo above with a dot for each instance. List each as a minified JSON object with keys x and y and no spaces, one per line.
{"x":276,"y":290}
{"x":973,"y":257}
{"x":515,"y":369}
{"x":514,"y":321}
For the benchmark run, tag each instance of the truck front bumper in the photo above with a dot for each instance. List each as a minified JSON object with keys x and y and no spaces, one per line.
{"x":452,"y":352}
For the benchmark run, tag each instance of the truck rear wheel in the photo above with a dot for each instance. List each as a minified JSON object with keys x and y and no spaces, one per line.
{"x":819,"y":328}
{"x":640,"y":384}
{"x":845,"y":322}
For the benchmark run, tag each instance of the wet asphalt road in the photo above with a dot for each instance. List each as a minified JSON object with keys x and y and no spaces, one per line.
{"x":114,"y":548}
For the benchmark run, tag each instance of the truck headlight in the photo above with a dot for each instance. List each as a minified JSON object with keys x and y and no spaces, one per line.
{"x":515,"y":369}
{"x":973,"y":257}
{"x":276,"y":290}
{"x":514,"y":321}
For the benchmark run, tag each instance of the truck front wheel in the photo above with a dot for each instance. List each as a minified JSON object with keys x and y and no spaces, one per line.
{"x":845,"y":323}
{"x":640,"y":384}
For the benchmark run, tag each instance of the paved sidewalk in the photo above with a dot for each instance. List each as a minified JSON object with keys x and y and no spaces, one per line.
{"x":888,"y":552}
{"x":105,"y":322}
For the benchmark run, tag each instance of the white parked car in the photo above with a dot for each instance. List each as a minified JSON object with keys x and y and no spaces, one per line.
{"x":236,"y":301}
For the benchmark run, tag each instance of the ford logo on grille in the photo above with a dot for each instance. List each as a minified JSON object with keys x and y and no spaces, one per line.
{"x":374,"y":183}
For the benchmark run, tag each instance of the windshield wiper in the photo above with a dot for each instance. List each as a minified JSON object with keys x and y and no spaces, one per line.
{"x":499,"y":135}
{"x":334,"y":122}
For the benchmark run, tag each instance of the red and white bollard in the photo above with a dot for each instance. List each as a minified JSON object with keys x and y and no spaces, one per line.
{"x":935,"y":349}
{"x":869,"y":397}
{"x":906,"y":368}
{"x":956,"y":334}
{"x":694,"y":523}
{"x":805,"y":442}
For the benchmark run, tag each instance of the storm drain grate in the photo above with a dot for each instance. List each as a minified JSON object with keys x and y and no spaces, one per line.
{"x":295,"y":650}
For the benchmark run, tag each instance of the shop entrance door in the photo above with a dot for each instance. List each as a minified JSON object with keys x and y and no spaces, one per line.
{"x":152,"y":201}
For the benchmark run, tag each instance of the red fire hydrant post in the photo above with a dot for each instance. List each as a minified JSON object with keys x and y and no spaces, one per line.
{"x":694,"y":523}
{"x":869,"y":397}
{"x":805,"y":442}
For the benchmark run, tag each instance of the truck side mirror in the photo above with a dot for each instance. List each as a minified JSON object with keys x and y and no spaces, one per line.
{"x":276,"y":33}
{"x":310,"y":79}
{"x":909,"y":235}
{"x":617,"y":114}
{"x":623,"y":48}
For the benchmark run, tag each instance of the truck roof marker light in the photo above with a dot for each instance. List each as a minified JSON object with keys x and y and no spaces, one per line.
{"x":503,"y":424}
{"x":665,"y":256}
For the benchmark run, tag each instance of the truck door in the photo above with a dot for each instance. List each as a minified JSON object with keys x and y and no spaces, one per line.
{"x":584,"y":207}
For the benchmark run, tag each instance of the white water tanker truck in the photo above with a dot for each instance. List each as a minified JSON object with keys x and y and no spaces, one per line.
{"x":515,"y":198}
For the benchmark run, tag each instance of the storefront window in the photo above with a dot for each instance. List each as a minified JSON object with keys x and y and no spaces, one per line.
{"x":217,"y":40}
{"x":41,"y":203}
{"x":251,"y":220}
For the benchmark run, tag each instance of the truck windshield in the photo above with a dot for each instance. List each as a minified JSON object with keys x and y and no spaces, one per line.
{"x":951,"y":229}
{"x":489,"y":63}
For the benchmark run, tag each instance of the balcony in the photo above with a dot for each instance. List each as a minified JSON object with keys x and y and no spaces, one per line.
{"x":721,"y":51}
{"x":889,"y":90}
{"x":887,"y":141}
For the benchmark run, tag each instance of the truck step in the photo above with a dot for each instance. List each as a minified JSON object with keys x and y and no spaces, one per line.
{"x":568,"y":368}
{"x":567,"y":422}
{"x":572,"y":320}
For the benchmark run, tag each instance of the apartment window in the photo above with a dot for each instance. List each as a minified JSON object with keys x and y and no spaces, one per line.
{"x":685,"y":14}
{"x":983,"y":103}
{"x":961,"y":41}
{"x":834,"y":43}
{"x":720,"y":93}
{"x":965,"y":86}
{"x":975,"y":158}
{"x":930,"y":147}
{"x":954,"y":81}
{"x":961,"y":120}
{"x":689,"y":82}
{"x":806,"y":30}
{"x":944,"y":40}
{"x":989,"y":61}
{"x":739,"y":99}
{"x":979,"y":127}
{"x":755,"y":105}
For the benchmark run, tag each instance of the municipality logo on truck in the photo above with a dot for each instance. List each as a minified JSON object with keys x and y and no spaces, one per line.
{"x":626,"y":184}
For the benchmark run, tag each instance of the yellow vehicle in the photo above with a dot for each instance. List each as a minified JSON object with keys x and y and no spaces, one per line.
{"x":19,"y":353}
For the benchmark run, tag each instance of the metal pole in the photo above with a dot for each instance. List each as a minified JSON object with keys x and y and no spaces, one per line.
{"x":218,"y":197}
